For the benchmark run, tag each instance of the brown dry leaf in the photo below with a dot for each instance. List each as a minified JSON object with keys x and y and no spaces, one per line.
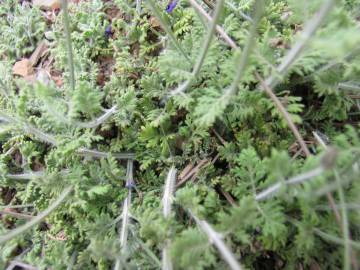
{"x":47,"y":4}
{"x":154,"y":22}
{"x":38,"y":53}
{"x":56,"y":76}
{"x":278,"y":42}
{"x":23,"y":68}
{"x":185,"y":171}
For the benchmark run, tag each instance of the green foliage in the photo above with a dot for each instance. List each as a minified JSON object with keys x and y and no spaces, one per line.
{"x":233,"y":147}
{"x":22,"y":27}
{"x":191,"y":250}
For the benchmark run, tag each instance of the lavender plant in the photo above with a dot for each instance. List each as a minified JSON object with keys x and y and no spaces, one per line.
{"x":87,"y":166}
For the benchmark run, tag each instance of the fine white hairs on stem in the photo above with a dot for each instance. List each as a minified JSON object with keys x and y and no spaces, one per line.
{"x":98,"y":121}
{"x":327,"y":162}
{"x":309,"y":30}
{"x":155,"y":9}
{"x":216,"y":240}
{"x":26,"y":176}
{"x":15,"y":264}
{"x":204,"y":49}
{"x":219,"y":29}
{"x":138,"y":6}
{"x":36,"y":220}
{"x":285,"y":114}
{"x":272,"y":190}
{"x":167,"y":201}
{"x":168,"y":192}
{"x":125,"y":212}
{"x":50,"y":139}
{"x":127,"y":205}
{"x":245,"y":55}
{"x":66,"y":21}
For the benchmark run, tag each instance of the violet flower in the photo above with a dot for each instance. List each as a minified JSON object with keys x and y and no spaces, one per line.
{"x":170,"y":7}
{"x":108,"y":31}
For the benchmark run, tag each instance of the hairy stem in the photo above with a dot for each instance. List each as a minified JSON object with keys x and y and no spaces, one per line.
{"x":345,"y":224}
{"x":50,"y":139}
{"x":154,"y":8}
{"x":98,"y":121}
{"x":218,"y":28}
{"x":309,"y":30}
{"x":167,"y":201}
{"x":36,"y":220}
{"x":205,"y":47}
{"x":66,"y":22}
{"x":272,"y":190}
{"x":216,"y":240}
{"x":286,"y":115}
{"x":250,"y":43}
{"x":125,"y":211}
{"x":335,"y":239}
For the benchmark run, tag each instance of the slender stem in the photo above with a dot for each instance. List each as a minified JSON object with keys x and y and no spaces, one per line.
{"x":98,"y":121}
{"x":205,"y":47}
{"x":242,"y":14}
{"x":24,"y":266}
{"x":126,"y":210}
{"x":66,"y":22}
{"x":72,"y":261}
{"x":215,"y":238}
{"x":167,"y":29}
{"x":36,"y":220}
{"x":16,"y":214}
{"x":272,"y":190}
{"x":31,"y":175}
{"x":25,"y":176}
{"x":167,"y":201}
{"x":168,"y":192}
{"x":138,"y":6}
{"x":309,"y":30}
{"x":208,"y":38}
{"x":219,"y":29}
{"x":349,"y":86}
{"x":286,"y":115}
{"x":98,"y":154}
{"x":345,"y":224}
{"x":50,"y":139}
{"x":249,"y":46}
{"x":16,"y":206}
{"x":329,"y":196}
{"x":335,"y":239}
{"x":4,"y":87}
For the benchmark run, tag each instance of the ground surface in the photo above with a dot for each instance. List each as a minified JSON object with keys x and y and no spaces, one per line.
{"x":137,"y":135}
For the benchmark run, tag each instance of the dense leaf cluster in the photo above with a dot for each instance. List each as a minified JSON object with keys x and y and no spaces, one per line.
{"x":227,"y":148}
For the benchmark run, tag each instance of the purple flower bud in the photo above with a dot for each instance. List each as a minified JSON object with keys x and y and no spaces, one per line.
{"x":108,"y":31}
{"x":131,"y":185}
{"x":170,"y":7}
